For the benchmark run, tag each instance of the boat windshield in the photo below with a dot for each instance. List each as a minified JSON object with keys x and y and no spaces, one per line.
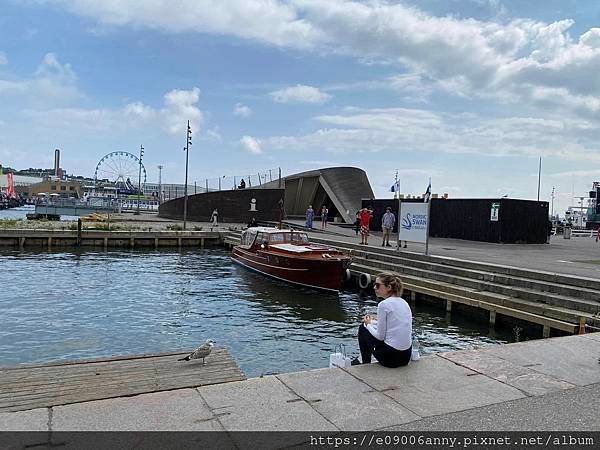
{"x":279,"y":238}
{"x":299,"y":238}
{"x":288,"y":237}
{"x":248,"y":238}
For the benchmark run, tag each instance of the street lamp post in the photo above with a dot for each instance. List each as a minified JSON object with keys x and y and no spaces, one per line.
{"x":185,"y":193}
{"x":160,"y":168}
{"x":137,"y":212}
{"x":552,"y":207}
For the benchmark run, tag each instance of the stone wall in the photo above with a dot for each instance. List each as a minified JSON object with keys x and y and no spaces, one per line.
{"x":232,"y":205}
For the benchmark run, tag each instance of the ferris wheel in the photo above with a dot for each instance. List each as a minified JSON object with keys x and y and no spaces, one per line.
{"x":120,"y":168}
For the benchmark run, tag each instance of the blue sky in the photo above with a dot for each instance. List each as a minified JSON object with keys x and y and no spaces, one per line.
{"x":468,"y":92}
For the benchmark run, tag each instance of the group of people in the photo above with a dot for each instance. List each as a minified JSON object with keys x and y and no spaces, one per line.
{"x":310,"y":215}
{"x":363,"y":221}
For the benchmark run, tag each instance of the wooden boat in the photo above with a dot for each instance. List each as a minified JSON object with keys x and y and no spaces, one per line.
{"x":289,"y":256}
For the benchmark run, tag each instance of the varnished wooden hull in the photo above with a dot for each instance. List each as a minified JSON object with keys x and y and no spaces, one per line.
{"x":324,"y":273}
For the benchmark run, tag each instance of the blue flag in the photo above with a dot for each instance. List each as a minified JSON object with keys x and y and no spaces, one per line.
{"x":427,"y":195}
{"x":395,"y":187}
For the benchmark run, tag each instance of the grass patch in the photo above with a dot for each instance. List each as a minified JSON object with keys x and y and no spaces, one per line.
{"x":11,"y":223}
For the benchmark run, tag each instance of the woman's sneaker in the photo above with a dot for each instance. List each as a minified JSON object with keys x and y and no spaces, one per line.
{"x":355,"y":362}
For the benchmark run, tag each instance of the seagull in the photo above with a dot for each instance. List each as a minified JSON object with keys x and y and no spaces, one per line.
{"x":201,"y":352}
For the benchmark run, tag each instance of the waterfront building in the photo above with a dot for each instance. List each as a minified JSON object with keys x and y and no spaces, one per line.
{"x":53,"y":185}
{"x":341,"y":189}
{"x":22,"y":183}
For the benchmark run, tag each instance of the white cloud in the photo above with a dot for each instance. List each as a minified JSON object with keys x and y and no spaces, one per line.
{"x":179,"y":108}
{"x":241,"y":110}
{"x":139,"y":110}
{"x":511,"y":60}
{"x":12,"y":87}
{"x":212,"y":135}
{"x":581,"y":174}
{"x":53,"y":84}
{"x":300,"y":94}
{"x":3,"y":59}
{"x":251,"y":145}
{"x":419,"y":131}
{"x":269,"y":21}
{"x":54,"y":81}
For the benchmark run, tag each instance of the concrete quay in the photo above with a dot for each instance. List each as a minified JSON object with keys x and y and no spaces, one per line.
{"x":541,"y":385}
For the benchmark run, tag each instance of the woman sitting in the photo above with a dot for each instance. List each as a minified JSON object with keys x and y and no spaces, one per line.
{"x":389,"y":336}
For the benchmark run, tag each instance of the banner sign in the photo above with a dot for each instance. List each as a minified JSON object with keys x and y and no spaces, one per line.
{"x":413,"y":222}
{"x":494,"y":212}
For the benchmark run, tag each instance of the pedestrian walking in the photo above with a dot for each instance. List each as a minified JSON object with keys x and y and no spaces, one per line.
{"x":214,"y":217}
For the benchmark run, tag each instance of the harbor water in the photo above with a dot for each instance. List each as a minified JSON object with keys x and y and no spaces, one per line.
{"x":71,"y":305}
{"x":20,"y":213}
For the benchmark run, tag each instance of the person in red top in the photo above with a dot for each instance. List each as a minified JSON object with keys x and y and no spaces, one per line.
{"x":365,"y":218}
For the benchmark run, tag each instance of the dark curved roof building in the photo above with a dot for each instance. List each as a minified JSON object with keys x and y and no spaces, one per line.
{"x":341,"y":189}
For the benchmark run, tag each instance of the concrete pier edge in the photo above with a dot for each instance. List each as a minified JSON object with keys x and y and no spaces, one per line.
{"x":533,"y":385}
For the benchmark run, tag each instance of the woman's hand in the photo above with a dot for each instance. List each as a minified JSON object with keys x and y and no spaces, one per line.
{"x":367,"y":319}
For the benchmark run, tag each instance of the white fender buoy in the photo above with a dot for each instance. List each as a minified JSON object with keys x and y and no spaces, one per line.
{"x":364,"y":280}
{"x":347,"y":275}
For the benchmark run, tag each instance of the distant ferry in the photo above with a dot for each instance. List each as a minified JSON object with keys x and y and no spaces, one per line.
{"x":587,"y":214}
{"x":289,"y":256}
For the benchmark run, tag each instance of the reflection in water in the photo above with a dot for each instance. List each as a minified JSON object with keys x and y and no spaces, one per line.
{"x":69,"y":305}
{"x":304,"y":304}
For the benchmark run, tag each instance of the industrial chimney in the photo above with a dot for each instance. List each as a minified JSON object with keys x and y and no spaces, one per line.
{"x":56,"y":162}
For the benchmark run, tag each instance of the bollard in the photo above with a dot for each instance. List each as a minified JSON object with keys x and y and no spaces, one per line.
{"x":78,"y":232}
{"x":582,"y":325}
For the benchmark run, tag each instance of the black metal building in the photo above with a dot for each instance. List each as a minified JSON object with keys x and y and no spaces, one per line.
{"x":514,"y":221}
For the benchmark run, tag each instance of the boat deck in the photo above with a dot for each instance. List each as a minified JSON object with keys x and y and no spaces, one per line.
{"x":44,"y":385}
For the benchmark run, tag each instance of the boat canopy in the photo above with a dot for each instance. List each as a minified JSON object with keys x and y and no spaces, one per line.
{"x":272,"y":236}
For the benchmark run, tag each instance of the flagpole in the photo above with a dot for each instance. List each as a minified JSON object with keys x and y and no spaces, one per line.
{"x":398,"y":219}
{"x":539,"y":178}
{"x":428,"y":219}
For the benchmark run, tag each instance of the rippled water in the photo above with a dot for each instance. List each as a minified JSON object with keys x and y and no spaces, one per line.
{"x":69,"y":305}
{"x":22,"y":211}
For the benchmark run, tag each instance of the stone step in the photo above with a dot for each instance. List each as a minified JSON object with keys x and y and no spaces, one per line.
{"x":494,"y":303}
{"x":578,"y":304}
{"x":499,"y":274}
{"x":556,"y":312}
{"x":566,"y":280}
{"x":514,"y":281}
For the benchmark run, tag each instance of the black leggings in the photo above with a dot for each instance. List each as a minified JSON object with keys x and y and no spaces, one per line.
{"x":387,"y":355}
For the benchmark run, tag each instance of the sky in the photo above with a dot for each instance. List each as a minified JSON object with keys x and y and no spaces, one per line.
{"x":469,"y":93}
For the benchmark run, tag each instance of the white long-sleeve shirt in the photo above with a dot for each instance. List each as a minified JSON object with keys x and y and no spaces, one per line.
{"x":394,"y":323}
